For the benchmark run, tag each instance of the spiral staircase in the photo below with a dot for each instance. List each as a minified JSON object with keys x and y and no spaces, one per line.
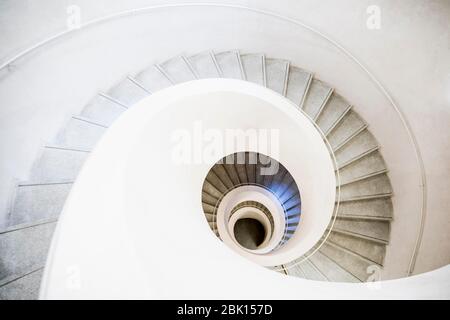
{"x":355,"y":240}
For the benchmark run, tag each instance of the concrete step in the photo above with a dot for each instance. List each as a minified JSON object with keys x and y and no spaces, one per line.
{"x":297,"y":85}
{"x":368,"y":249}
{"x":230,"y":64}
{"x":359,"y":146}
{"x":316,"y":98}
{"x":330,"y":269}
{"x":211,"y":190}
{"x":295,"y":201}
{"x":349,"y":261}
{"x":207,"y":208}
{"x":205,"y":65}
{"x":127,"y":92}
{"x":378,"y":184}
{"x":242,"y":172}
{"x":221,"y":172}
{"x":79,"y":133}
{"x":25,"y":288}
{"x":334,"y":110}
{"x":348,"y":126}
{"x":254,"y":68}
{"x":208,"y":212}
{"x":103,"y":111}
{"x":277,"y":73}
{"x":232,"y":173}
{"x":310,"y":271}
{"x":381,"y":207}
{"x":207,"y":198}
{"x":365,"y":166}
{"x":215,"y":180}
{"x":38,"y":202}
{"x":23,"y":250}
{"x":370,"y":229}
{"x":152,"y":79}
{"x":57,"y":164}
{"x":178,"y":70}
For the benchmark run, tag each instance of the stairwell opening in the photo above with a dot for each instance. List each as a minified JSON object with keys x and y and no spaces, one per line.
{"x":249,"y":233}
{"x":258,"y":210}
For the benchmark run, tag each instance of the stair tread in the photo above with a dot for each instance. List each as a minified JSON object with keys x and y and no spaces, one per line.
{"x":277,"y":72}
{"x":368,"y":249}
{"x":38,"y":202}
{"x":24,"y":288}
{"x":297,"y":85}
{"x":24,"y":250}
{"x":204,"y":65}
{"x":56,"y":165}
{"x":330,"y":269}
{"x":127,"y":92}
{"x":152,"y":79}
{"x":254,"y":67}
{"x":334,"y":109}
{"x":349,"y":261}
{"x":178,"y":70}
{"x":79,"y":134}
{"x":230,"y":64}
{"x":316,"y":98}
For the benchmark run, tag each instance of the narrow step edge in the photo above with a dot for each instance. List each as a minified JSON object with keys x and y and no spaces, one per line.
{"x":87,"y":120}
{"x":113,"y":100}
{"x":324,"y":103}
{"x":13,"y":277}
{"x":264,"y":72}
{"x":305,"y":91}
{"x":241,"y":66}
{"x":189,"y":65}
{"x":62,"y":148}
{"x":363,"y":217}
{"x":286,"y":77}
{"x":164,"y":73}
{"x":368,"y":197}
{"x":358,"y":157}
{"x":358,"y":235}
{"x":33,"y":183}
{"x":27,"y":225}
{"x":137,"y":83}
{"x":366,"y":176}
{"x":216,"y":63}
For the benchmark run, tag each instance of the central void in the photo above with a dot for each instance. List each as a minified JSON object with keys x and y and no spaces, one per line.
{"x":250,"y":233}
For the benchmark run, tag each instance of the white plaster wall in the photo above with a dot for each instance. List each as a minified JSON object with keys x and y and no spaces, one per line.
{"x":409,"y":54}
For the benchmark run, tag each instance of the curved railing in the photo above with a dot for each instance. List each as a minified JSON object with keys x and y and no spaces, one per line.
{"x":422,"y":177}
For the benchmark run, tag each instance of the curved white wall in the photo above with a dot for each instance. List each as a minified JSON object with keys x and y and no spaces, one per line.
{"x":122,"y":221}
{"x":409,"y":54}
